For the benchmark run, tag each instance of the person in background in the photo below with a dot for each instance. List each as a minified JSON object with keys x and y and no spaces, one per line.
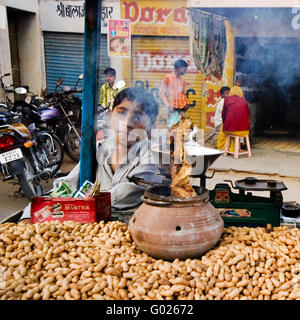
{"x":125,"y":153}
{"x":109,"y":90}
{"x":224,"y":91}
{"x":172,"y":92}
{"x":235,"y":114}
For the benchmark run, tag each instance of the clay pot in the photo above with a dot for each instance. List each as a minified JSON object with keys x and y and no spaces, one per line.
{"x":168,"y":228}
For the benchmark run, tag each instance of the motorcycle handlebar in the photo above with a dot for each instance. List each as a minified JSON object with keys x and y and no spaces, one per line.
{"x":66,"y":92}
{"x":9,"y":90}
{"x":72,"y":91}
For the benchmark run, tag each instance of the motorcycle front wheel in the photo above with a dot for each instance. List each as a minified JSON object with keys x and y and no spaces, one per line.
{"x":72,"y":143}
{"x":52,"y":154}
{"x":28,"y":181}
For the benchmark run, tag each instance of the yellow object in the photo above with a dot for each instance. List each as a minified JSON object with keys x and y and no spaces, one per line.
{"x":28,"y":144}
{"x":221,"y":141}
{"x":20,"y":127}
{"x":222,"y":138}
{"x":236,"y":91}
{"x":156,"y":18}
{"x":211,"y":86}
{"x":148,"y":74}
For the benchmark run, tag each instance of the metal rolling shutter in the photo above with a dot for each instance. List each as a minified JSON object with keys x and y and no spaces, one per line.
{"x":153,"y":58}
{"x":64,"y":58}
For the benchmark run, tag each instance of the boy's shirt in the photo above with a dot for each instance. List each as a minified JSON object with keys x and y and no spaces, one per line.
{"x":107,"y":95}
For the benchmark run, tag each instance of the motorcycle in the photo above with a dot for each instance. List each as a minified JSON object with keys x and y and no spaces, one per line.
{"x":59,"y":114}
{"x":27,"y":153}
{"x":17,"y":156}
{"x":68,"y":125}
{"x":29,"y":109}
{"x":49,"y":149}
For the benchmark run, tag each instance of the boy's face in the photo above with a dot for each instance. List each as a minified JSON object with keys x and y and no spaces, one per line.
{"x":129,"y":123}
{"x":110,"y":79}
{"x":225,"y":94}
{"x":181,"y":71}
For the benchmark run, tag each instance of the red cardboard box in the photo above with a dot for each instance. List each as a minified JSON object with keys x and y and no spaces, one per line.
{"x":84,"y":210}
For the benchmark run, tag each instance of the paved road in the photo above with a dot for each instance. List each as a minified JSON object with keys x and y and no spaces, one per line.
{"x":12,"y":201}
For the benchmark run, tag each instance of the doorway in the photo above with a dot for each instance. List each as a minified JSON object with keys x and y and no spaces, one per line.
{"x":12,"y":18}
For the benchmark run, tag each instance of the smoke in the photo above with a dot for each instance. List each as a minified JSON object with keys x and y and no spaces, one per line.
{"x":272,"y":62}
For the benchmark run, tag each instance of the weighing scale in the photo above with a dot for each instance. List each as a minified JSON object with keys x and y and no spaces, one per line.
{"x":242,"y":208}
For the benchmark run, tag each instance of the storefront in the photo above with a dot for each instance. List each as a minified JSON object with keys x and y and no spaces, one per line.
{"x":62,"y":24}
{"x":266,"y":63}
{"x":160,"y":36}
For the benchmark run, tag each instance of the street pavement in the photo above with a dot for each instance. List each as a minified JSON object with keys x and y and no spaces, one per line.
{"x":264,"y":164}
{"x":263,"y":161}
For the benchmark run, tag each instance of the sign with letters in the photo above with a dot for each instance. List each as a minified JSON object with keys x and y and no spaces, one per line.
{"x":68,"y":16}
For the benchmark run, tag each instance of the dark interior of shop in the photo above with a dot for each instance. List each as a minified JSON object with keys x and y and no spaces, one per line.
{"x":269,"y":70}
{"x":270,"y":76}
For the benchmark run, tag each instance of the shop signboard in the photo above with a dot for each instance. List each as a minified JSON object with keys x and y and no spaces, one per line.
{"x":156,"y":18}
{"x":160,"y":36}
{"x":68,"y":16}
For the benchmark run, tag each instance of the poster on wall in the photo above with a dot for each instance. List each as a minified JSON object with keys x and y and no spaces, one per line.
{"x":119,"y":38}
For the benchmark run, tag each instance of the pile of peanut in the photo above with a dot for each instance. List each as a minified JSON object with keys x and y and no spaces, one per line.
{"x":69,"y":260}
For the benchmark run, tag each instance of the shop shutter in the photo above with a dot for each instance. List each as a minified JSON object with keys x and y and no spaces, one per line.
{"x":64,"y":54}
{"x":154,"y":57}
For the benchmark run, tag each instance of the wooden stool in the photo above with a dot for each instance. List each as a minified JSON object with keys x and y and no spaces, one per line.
{"x":237,"y":146}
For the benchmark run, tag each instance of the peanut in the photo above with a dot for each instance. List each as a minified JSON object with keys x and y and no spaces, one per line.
{"x":73,"y":261}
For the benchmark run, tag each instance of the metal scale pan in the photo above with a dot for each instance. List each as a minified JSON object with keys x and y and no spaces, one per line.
{"x":254,"y":184}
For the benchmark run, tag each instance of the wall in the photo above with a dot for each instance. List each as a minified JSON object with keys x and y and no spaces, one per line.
{"x":29,"y":43}
{"x":30,"y":52}
{"x":267,"y":22}
{"x":4,"y":40}
{"x":68,"y":16}
{"x":27,"y":5}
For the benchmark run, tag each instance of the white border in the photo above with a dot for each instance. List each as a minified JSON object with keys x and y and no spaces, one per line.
{"x":243,"y":3}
